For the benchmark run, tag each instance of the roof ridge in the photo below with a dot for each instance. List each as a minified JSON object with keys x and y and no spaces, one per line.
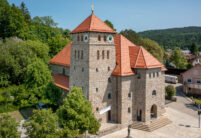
{"x":144,"y":57}
{"x":137,"y":56}
{"x":90,"y":21}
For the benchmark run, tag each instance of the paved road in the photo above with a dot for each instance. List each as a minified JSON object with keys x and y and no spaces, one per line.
{"x":183,"y":104}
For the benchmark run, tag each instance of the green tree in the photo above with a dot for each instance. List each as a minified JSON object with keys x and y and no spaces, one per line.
{"x":194,"y":49}
{"x":150,"y":45}
{"x":153,"y":48}
{"x":25,"y":12}
{"x":43,"y":124}
{"x":37,"y":75}
{"x":16,"y":56}
{"x":56,"y":44}
{"x":53,"y":93}
{"x":170,"y":91}
{"x":109,"y":24}
{"x":6,"y":96}
{"x":8,"y":127}
{"x":179,"y":59}
{"x":66,"y":34}
{"x":75,"y":116}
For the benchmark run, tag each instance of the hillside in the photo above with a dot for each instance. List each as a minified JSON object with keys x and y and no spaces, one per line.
{"x":180,"y":37}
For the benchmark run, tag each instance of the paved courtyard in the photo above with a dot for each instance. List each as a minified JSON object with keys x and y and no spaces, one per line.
{"x":184,"y":121}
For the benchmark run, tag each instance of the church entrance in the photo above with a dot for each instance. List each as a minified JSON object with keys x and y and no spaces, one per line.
{"x":139,"y":115}
{"x":153,"y":113}
{"x":109,"y":116}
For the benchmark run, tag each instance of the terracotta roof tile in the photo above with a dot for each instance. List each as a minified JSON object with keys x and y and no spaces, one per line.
{"x":63,"y":57}
{"x":93,"y":24}
{"x":140,"y":58}
{"x":123,"y":67}
{"x":61,"y":81}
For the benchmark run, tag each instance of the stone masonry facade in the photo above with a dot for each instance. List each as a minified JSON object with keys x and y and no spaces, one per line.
{"x":115,"y":98}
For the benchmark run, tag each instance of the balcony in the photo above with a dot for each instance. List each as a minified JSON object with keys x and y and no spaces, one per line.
{"x":193,"y":85}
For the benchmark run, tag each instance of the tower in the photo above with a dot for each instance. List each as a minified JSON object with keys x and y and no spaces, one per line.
{"x":92,"y":63}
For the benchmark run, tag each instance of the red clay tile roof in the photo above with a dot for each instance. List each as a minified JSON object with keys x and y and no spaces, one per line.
{"x":61,"y":81}
{"x":122,"y":56}
{"x":63,"y":57}
{"x":140,"y":58}
{"x":93,"y":24}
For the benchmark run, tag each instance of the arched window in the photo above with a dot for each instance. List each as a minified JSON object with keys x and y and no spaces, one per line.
{"x":98,"y":54}
{"x":82,"y":38}
{"x":75,"y":54}
{"x":108,"y":54}
{"x":154,"y":74}
{"x":103,"y":54}
{"x":157,"y":74}
{"x":97,"y":109}
{"x":109,"y":95}
{"x":153,"y":93}
{"x":105,"y":38}
{"x":82,"y":54}
{"x":99,"y":38}
{"x":149,"y":75}
{"x":78,"y":54}
{"x":129,"y":109}
{"x":129,"y":95}
{"x":109,"y":80}
{"x":96,"y":69}
{"x":108,"y":68}
{"x":78,"y":38}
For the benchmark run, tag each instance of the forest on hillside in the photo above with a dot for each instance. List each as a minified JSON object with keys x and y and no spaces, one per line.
{"x":175,"y":37}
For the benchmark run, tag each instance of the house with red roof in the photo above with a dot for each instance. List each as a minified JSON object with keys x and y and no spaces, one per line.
{"x":123,"y":81}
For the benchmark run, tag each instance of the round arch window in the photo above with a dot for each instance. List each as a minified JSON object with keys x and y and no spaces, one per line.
{"x":153,"y":93}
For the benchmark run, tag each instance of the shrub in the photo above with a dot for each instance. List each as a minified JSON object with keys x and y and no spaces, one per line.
{"x":170,"y":91}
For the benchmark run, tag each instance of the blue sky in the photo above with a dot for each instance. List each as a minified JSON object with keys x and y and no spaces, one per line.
{"x":138,"y":15}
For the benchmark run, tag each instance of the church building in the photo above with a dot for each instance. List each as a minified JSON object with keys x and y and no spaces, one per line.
{"x":124,"y":82}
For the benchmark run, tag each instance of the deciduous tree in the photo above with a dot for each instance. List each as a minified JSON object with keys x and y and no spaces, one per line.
{"x":8,"y":127}
{"x":76,"y":114}
{"x":43,"y":124}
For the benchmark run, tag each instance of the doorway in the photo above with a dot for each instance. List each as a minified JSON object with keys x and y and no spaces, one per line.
{"x":153,"y":113}
{"x":139,"y":115}
{"x":109,"y":116}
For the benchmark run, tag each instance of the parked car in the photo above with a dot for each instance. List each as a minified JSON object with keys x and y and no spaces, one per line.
{"x":41,"y":106}
{"x":171,"y":79}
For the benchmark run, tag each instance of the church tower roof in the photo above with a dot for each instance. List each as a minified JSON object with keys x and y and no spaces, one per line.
{"x":93,"y":24}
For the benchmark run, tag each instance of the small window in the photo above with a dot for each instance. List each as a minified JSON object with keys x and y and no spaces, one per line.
{"x":129,"y":95}
{"x":63,"y":71}
{"x":149,"y":75}
{"x":103,"y":54}
{"x":154,"y":93}
{"x":82,"y":69}
{"x":75,"y":54}
{"x":129,"y":109}
{"x":74,"y":67}
{"x":199,"y":81}
{"x":96,"y":89}
{"x":108,"y":68}
{"x":78,"y":54}
{"x":98,"y":55}
{"x":99,"y":38}
{"x":108,"y":54}
{"x":82,"y":38}
{"x":139,"y":76}
{"x":109,"y":96}
{"x":82,"y":54}
{"x":188,"y":80}
{"x":154,"y":74}
{"x":97,"y":109}
{"x":157,"y":74}
{"x":78,"y":38}
{"x":189,"y":89}
{"x":109,"y":80}
{"x":96,"y":69}
{"x":105,"y":38}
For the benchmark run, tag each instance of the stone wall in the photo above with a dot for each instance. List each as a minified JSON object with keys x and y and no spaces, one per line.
{"x":96,"y":78}
{"x":59,"y":69}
